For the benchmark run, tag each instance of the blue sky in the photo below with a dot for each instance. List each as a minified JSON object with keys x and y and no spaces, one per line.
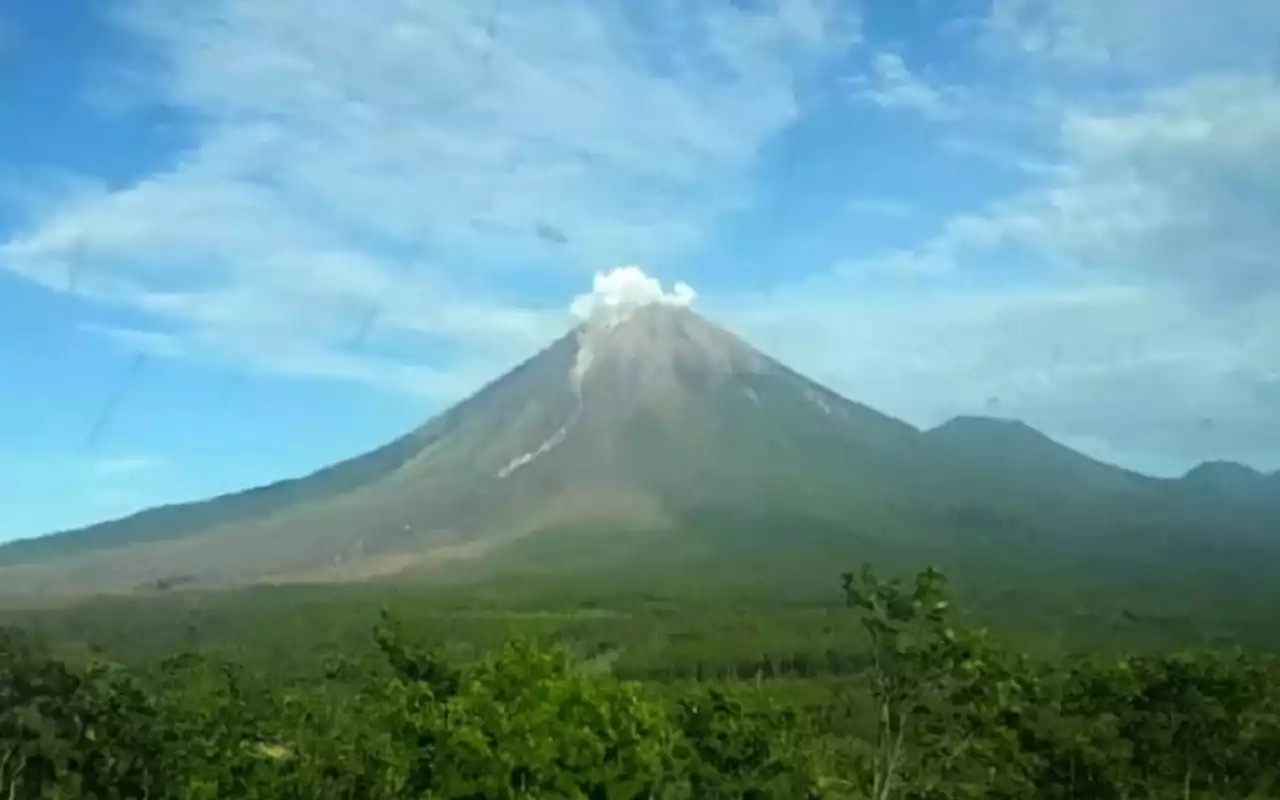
{"x":243,"y":238}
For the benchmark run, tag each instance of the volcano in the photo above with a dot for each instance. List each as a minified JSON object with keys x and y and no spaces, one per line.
{"x":641,"y":419}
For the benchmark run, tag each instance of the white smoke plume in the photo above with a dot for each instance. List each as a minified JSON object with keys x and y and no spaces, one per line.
{"x":627,"y":287}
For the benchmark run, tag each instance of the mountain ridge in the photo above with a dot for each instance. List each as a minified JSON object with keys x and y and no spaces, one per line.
{"x":642,"y":417}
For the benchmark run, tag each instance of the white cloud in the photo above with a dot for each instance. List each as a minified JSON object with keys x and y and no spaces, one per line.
{"x":380,"y":160}
{"x":1183,"y":189}
{"x":1144,"y":35}
{"x":891,"y":84}
{"x":1179,"y":187}
{"x":628,"y":286}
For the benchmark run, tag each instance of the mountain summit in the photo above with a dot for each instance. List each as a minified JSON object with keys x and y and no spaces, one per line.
{"x":643,"y":417}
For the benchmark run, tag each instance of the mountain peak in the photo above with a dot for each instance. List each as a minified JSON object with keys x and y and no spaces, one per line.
{"x":634,"y":330}
{"x":659,"y":342}
{"x":1226,"y":476}
{"x":643,"y":413}
{"x":1224,"y":469}
{"x":972,"y":425}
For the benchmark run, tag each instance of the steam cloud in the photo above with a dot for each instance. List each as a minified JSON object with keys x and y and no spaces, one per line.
{"x":628,"y":286}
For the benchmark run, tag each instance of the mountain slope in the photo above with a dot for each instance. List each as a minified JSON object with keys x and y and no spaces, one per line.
{"x":641,"y":420}
{"x":986,"y":465}
{"x":1230,"y":479}
{"x":631,"y":420}
{"x":1233,"y":495}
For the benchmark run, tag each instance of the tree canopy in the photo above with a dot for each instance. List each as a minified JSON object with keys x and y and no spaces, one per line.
{"x":935,"y":709}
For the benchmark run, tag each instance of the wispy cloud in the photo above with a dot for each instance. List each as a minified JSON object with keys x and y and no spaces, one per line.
{"x":355,"y":157}
{"x":1182,"y":188}
{"x":890,"y":84}
{"x":1136,"y":35}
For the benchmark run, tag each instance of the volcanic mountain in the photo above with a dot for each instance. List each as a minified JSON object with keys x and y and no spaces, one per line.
{"x":642,"y":419}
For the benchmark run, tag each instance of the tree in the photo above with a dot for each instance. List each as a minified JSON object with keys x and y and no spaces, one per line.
{"x":912,"y":649}
{"x":526,"y":722}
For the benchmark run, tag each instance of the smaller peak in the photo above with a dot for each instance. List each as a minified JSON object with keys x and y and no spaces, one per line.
{"x":1011,"y":435}
{"x":972,"y":423}
{"x":1219,"y":470}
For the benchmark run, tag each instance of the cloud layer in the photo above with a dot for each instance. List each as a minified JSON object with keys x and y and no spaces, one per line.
{"x":407,"y":163}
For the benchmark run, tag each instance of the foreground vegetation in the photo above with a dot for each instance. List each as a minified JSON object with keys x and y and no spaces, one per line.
{"x":915,"y":704}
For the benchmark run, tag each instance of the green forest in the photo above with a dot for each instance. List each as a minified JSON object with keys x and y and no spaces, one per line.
{"x":897,"y":695}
